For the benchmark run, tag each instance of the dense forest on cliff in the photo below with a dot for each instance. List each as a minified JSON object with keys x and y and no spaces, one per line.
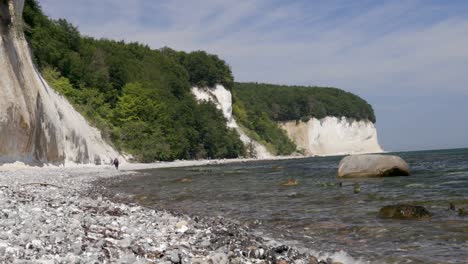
{"x":138,"y":97}
{"x":284,"y":103}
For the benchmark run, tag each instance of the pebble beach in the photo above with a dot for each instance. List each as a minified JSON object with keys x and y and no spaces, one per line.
{"x":61,"y":215}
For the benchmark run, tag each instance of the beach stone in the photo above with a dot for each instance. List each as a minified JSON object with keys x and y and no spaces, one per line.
{"x":312,"y":260}
{"x":199,"y":261}
{"x":372,"y":165}
{"x":260,"y":253}
{"x":219,"y":258}
{"x":42,"y":224}
{"x":300,"y":261}
{"x":181,"y":226}
{"x":404,"y":211}
{"x":236,"y":261}
{"x":127,"y":258}
{"x":3,"y":247}
{"x":175,"y":257}
{"x":36,"y":243}
{"x":205,"y":243}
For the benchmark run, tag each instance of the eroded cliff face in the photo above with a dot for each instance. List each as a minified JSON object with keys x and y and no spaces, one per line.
{"x":327,"y":136}
{"x":37,"y":125}
{"x":333,"y":136}
{"x":222,"y":98}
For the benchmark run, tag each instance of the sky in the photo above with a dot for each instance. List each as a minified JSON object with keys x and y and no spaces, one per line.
{"x":408,"y":59}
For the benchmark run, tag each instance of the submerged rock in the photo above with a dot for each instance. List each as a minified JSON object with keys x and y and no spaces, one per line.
{"x":371,"y":165}
{"x":290,"y":182}
{"x":452,"y":207}
{"x":404,"y":211}
{"x":462,"y":212}
{"x":184,"y":180}
{"x":357,"y":188}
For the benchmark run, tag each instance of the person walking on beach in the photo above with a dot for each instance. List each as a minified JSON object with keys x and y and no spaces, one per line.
{"x":116,"y":163}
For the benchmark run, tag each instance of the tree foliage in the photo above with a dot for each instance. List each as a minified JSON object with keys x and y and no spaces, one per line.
{"x":205,"y":70}
{"x":283,"y":103}
{"x":262,"y":128}
{"x":139,"y":97}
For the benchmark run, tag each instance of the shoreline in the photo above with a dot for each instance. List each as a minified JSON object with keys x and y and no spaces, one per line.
{"x":129,"y":166}
{"x":58,"y":214}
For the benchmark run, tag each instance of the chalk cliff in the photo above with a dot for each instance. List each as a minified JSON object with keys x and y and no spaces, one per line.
{"x":222,"y":98}
{"x":327,"y":136}
{"x":333,"y":136}
{"x":37,"y":125}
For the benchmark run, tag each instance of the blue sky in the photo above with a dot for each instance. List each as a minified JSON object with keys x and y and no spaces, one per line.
{"x":409,"y":59}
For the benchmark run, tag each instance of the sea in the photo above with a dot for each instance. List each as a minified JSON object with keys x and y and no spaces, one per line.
{"x":323,"y":213}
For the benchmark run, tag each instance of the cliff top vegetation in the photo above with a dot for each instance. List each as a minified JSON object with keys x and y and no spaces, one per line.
{"x":284,"y":103}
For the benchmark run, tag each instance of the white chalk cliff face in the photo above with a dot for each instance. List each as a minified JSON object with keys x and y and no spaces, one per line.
{"x":37,"y":125}
{"x":327,"y":136}
{"x":333,"y":136}
{"x":222,"y":98}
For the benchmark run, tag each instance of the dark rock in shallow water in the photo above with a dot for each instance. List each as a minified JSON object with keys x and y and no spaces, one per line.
{"x":371,"y":165}
{"x":404,"y":211}
{"x":452,"y":207}
{"x":462,"y":212}
{"x":357,"y":188}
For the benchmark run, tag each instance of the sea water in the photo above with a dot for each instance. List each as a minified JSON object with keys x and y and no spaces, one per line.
{"x":323,"y":213}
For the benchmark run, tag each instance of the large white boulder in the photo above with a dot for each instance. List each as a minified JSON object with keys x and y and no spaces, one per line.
{"x":372,"y":165}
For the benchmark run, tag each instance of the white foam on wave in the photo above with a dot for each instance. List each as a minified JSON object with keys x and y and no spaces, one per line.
{"x":340,"y":256}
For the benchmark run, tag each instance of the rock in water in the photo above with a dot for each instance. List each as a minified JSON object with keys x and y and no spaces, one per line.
{"x":357,"y":188}
{"x":404,"y":211}
{"x":37,"y":125}
{"x":290,"y":182}
{"x":184,"y":180}
{"x":372,"y":165}
{"x":462,"y":212}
